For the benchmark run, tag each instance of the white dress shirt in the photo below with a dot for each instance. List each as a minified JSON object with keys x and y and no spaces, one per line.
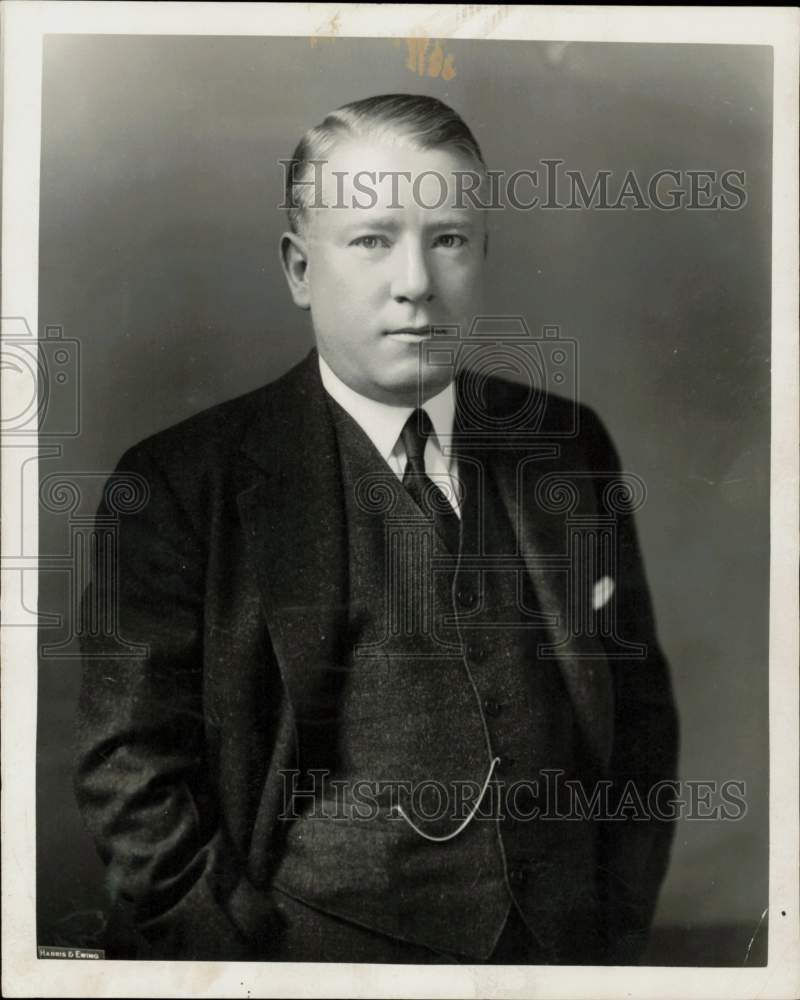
{"x":382,"y":423}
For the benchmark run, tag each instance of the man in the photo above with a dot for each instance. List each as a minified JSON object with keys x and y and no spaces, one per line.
{"x":359,"y":594}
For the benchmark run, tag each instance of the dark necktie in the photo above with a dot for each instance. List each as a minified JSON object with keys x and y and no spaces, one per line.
{"x":425,"y":493}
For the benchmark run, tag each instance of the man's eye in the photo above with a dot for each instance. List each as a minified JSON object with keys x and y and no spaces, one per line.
{"x":450,"y":241}
{"x":369,"y":242}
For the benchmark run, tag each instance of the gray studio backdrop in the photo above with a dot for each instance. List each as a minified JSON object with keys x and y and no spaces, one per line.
{"x":158,"y":255}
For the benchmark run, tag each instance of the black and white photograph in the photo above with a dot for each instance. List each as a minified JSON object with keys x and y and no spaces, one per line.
{"x":399,"y":501}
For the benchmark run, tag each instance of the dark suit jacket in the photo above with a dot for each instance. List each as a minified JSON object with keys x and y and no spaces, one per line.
{"x":232,"y":576}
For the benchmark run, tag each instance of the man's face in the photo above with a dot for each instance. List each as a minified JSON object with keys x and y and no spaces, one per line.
{"x":377,"y":278}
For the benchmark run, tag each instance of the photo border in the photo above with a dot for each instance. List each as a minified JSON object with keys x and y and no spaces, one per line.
{"x":24,"y":25}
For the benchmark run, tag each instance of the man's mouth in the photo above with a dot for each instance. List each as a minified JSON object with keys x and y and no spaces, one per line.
{"x":411,"y":334}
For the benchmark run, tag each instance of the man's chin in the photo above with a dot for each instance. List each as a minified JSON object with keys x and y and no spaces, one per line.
{"x":408,"y":385}
{"x":404,"y":380}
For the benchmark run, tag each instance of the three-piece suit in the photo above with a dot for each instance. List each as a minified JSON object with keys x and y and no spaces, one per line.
{"x":305,"y":635}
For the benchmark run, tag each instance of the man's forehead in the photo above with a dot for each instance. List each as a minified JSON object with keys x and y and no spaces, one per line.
{"x":346,"y":160}
{"x":393,"y":151}
{"x":377,"y":179}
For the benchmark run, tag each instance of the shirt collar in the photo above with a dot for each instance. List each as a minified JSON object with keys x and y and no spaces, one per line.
{"x":382,"y":422}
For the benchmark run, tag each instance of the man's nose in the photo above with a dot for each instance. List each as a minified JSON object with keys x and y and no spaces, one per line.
{"x":412,"y":281}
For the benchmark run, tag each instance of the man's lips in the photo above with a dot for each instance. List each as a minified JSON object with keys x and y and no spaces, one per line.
{"x":411,"y":334}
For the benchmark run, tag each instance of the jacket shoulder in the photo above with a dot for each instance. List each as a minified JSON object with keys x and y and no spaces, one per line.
{"x":211,"y":436}
{"x":547,"y":414}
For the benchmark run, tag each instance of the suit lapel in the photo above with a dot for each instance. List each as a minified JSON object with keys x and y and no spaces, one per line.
{"x":293,"y":514}
{"x":542,"y":538}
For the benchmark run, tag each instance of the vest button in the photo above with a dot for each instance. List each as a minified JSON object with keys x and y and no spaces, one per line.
{"x":491,"y":708}
{"x":466,"y":598}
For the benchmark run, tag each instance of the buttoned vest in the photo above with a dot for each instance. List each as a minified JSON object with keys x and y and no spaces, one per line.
{"x":443,"y":732}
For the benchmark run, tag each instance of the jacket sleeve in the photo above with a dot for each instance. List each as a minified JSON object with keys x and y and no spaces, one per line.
{"x":141,"y":777}
{"x":644,"y":755}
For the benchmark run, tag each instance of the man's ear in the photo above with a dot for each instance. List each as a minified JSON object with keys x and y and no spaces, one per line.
{"x":294,"y":261}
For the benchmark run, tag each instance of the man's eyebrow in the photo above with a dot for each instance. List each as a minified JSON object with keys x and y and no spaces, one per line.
{"x":390,"y":223}
{"x":451,"y":224}
{"x":374,"y":222}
